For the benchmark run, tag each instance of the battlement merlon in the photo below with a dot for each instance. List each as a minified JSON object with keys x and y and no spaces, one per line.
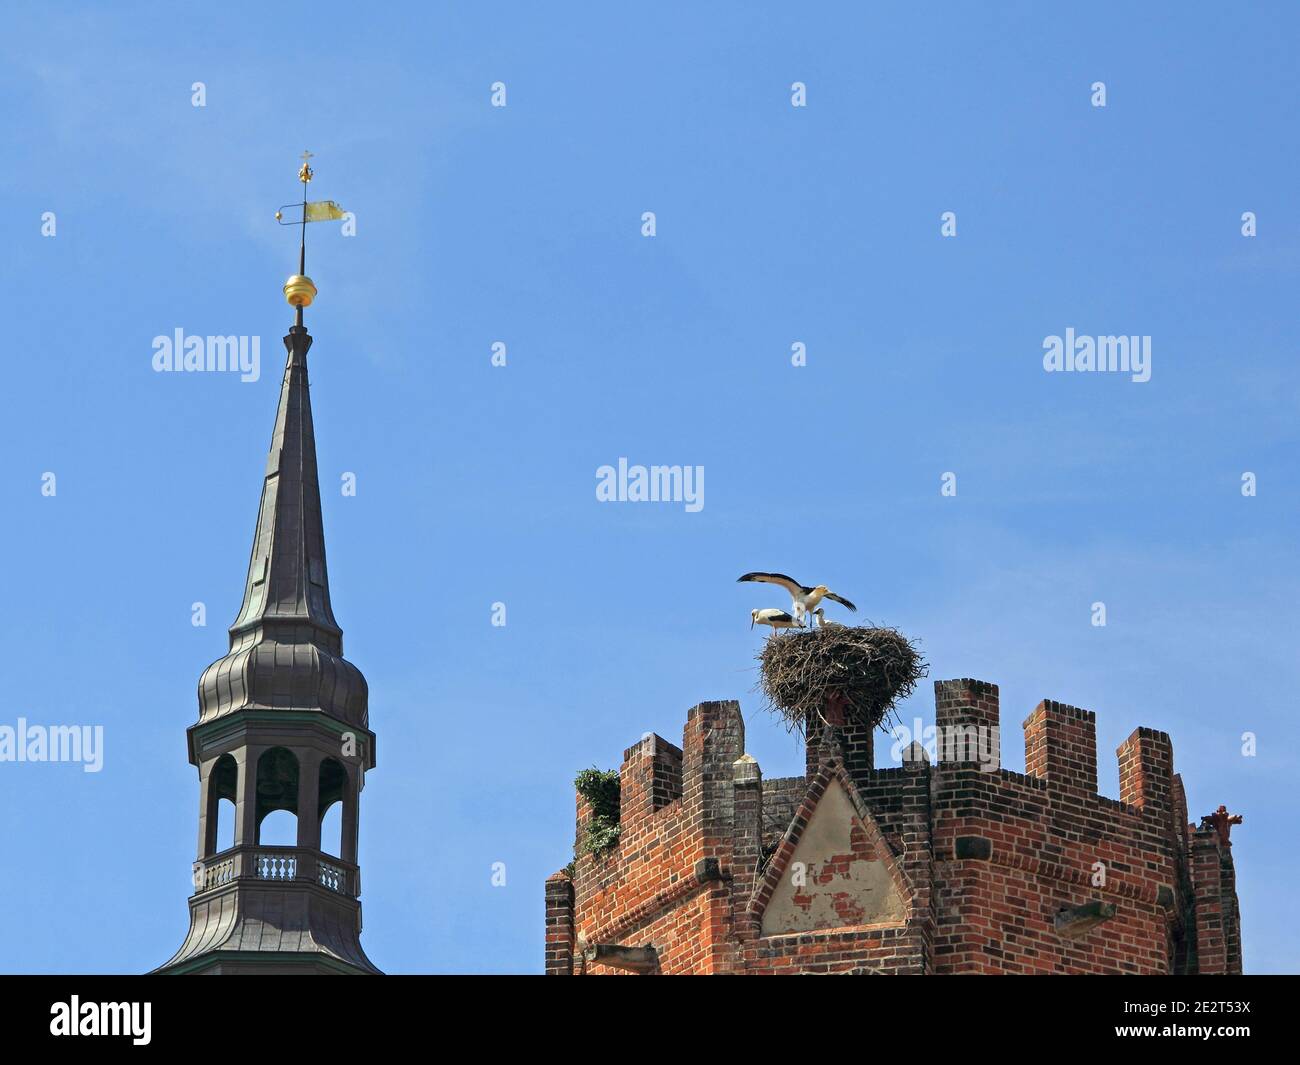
{"x":1061,"y":746}
{"x":656,"y":773}
{"x":650,"y":778}
{"x":712,"y":741}
{"x":967,"y":721}
{"x":1146,"y":774}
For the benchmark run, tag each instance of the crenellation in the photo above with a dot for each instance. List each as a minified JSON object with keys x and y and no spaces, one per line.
{"x":650,"y":778}
{"x":967,"y":720}
{"x":559,"y":925}
{"x":1061,"y":746}
{"x":1146,"y":770}
{"x":957,"y":866}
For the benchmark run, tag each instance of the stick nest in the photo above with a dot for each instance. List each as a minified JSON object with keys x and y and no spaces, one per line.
{"x":859,"y":672}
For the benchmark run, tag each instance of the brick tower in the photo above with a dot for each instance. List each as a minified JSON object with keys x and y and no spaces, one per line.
{"x":959,"y":866}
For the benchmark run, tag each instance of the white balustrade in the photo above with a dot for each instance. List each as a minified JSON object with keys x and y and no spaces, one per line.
{"x":276,"y":866}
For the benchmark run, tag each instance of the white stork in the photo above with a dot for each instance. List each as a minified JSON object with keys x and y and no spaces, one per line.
{"x":773,"y":616}
{"x":822,"y":623}
{"x":803,"y":597}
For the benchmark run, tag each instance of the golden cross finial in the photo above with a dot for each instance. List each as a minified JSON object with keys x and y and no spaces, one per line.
{"x":305,"y":173}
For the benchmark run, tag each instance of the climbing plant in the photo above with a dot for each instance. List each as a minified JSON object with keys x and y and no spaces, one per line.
{"x":601,"y":789}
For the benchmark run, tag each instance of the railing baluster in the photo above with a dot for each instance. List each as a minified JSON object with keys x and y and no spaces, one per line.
{"x":269,"y":866}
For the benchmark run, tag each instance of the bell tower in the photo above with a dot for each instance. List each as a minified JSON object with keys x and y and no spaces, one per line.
{"x":283,"y":726}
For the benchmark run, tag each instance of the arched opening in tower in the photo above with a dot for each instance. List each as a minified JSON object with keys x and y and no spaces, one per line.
{"x":333,"y":778}
{"x":277,"y":798}
{"x":225,"y":779}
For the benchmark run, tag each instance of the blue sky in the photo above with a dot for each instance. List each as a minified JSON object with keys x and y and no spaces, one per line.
{"x":475,"y":484}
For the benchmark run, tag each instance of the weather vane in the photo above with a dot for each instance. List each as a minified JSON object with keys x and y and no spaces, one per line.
{"x":299,"y":290}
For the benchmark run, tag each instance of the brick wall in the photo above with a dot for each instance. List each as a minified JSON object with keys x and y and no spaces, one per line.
{"x":998,"y":871}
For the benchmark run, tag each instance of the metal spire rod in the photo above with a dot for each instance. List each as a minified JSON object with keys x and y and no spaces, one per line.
{"x":304,"y":175}
{"x":299,"y":290}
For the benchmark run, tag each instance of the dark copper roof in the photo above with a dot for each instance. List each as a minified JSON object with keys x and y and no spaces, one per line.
{"x":291,"y":920}
{"x":286,"y":649}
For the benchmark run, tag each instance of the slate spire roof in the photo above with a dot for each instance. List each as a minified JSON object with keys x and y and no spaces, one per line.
{"x":287,"y":579}
{"x":286,"y":649}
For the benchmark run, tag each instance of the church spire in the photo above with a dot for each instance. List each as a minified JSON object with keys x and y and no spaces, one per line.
{"x":286,"y":649}
{"x":288,"y":582}
{"x":283,"y":725}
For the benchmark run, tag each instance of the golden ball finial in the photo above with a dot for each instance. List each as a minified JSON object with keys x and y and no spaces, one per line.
{"x":299,"y":291}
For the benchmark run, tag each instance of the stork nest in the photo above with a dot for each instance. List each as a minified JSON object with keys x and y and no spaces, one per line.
{"x":838,"y":674}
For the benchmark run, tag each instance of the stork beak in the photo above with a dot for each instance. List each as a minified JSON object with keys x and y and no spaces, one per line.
{"x":751,"y":624}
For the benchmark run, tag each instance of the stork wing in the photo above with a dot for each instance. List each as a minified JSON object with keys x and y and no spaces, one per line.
{"x":788,"y":583}
{"x":841,"y":600}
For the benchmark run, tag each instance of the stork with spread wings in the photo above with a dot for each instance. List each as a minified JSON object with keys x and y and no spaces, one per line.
{"x":804,"y":598}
